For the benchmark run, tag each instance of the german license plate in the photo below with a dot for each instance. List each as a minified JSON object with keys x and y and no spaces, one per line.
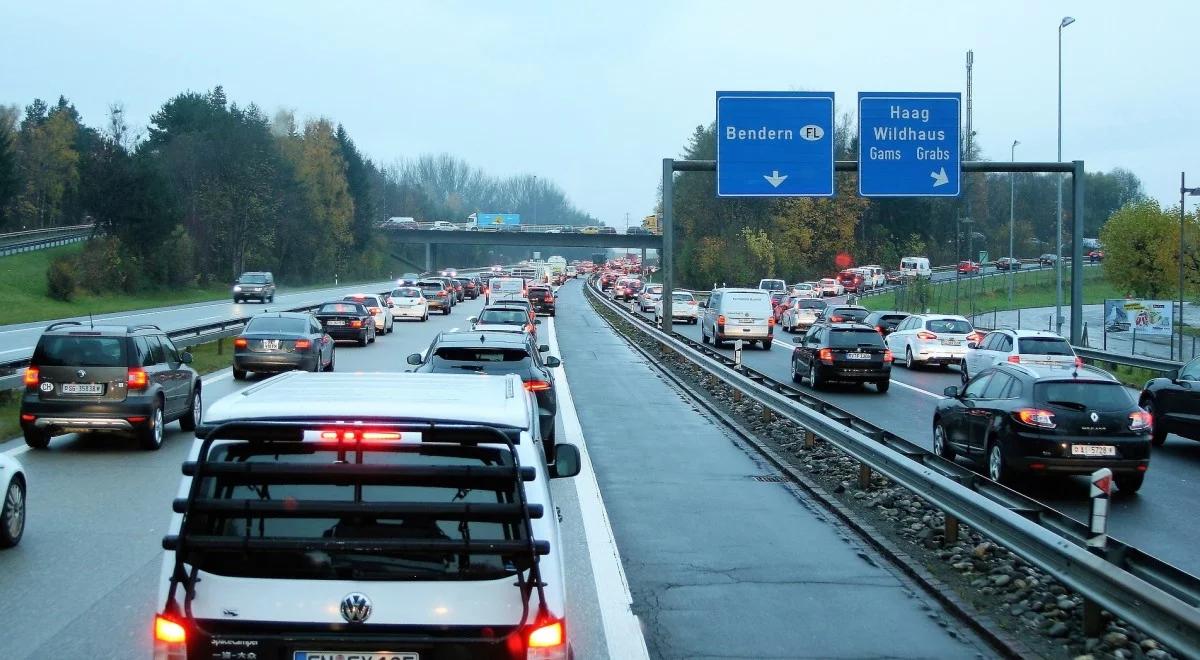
{"x":270,"y":344}
{"x":859,"y":356}
{"x":82,"y":388}
{"x":1093,"y":450}
{"x":335,"y":322}
{"x":355,"y":655}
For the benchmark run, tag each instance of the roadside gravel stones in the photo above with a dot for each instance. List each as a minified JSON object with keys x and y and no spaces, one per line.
{"x":1029,"y":604}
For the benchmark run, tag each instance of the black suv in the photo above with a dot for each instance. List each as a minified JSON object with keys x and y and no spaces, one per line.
{"x":257,"y":285}
{"x":109,"y":379}
{"x":542,"y":299}
{"x":1014,"y":418}
{"x":471,"y":287}
{"x":498,"y":353}
{"x":842,"y":352}
{"x":1174,"y":403}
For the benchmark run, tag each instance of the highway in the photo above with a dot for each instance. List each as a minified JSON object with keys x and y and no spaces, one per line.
{"x":1159,"y":519}
{"x":669,"y":510}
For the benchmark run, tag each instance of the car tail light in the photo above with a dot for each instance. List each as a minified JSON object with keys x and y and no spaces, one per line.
{"x":170,"y":639}
{"x":302,"y":344}
{"x":692,"y":303}
{"x":771,"y":322}
{"x":926,"y":335}
{"x":825,"y":355}
{"x":239,"y":342}
{"x":1140,"y":421}
{"x":547,"y":636}
{"x":356,"y":323}
{"x":879,"y":329}
{"x":529,"y":327}
{"x":441,"y":294}
{"x":1035,"y":417}
{"x":32,"y":376}
{"x":887,"y":355}
{"x":137,"y":378}
{"x":26,"y":417}
{"x":837,"y":318}
{"x":1015,"y":359}
{"x":355,"y":435}
{"x":537,"y":385}
{"x":373,"y":310}
{"x":549,"y":298}
{"x":1078,"y":362}
{"x":721,"y":319}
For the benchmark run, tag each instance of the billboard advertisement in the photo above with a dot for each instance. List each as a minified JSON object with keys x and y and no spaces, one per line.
{"x":1146,"y":317}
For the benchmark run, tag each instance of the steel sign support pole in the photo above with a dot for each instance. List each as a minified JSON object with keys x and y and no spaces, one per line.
{"x":666,"y":259}
{"x":1182,"y":200}
{"x":1076,"y":253}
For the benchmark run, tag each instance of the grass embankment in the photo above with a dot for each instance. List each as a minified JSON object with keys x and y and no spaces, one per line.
{"x":205,"y":360}
{"x":983,"y":294}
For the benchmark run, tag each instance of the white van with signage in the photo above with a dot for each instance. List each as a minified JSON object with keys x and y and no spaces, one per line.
{"x":732,"y":314}
{"x":915,"y":267}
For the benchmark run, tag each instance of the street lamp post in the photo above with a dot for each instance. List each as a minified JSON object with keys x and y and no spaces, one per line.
{"x":1058,"y":295}
{"x":1012,"y":201}
{"x":1184,"y":191}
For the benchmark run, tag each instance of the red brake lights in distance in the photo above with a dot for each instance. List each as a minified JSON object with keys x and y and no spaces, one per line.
{"x":1015,"y":359}
{"x":887,"y":355}
{"x":168,"y":631}
{"x":356,"y":323}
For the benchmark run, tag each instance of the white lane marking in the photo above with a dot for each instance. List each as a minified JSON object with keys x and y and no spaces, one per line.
{"x":916,"y":389}
{"x":622,"y":630}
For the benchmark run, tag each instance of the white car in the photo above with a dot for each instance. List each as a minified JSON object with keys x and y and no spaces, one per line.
{"x":649,"y":297}
{"x":802,"y":314}
{"x":13,"y":486}
{"x":406,"y":302}
{"x":382,"y":313}
{"x":831,"y":287}
{"x":442,"y":225}
{"x":683,"y":308}
{"x":384,"y":511}
{"x":806,"y":290}
{"x":1037,"y":348}
{"x":931,"y":339}
{"x":504,"y":319}
{"x":873,"y":277}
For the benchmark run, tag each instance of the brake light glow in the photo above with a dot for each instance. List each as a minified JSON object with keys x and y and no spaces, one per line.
{"x":926,"y":335}
{"x":239,"y":342}
{"x":32,"y":376}
{"x":547,"y":636}
{"x":837,"y":318}
{"x":721,"y":319}
{"x":1078,"y":362}
{"x":302,"y":344}
{"x":357,"y":323}
{"x":26,"y":417}
{"x":373,"y":310}
{"x":137,"y":378}
{"x":771,"y":321}
{"x":1035,"y":417}
{"x":975,"y":336}
{"x":879,"y":329}
{"x":549,"y":298}
{"x":166,"y":630}
{"x":536,"y":385}
{"x":1140,"y":421}
{"x":887,"y":355}
{"x":692,"y":303}
{"x":825,"y":355}
{"x":441,"y":294}
{"x":353,"y":435}
{"x":1015,"y":359}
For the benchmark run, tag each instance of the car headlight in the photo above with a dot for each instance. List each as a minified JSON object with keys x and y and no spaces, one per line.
{"x":237,"y":288}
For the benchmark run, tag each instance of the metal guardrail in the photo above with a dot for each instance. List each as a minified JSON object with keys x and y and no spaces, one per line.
{"x":1156,"y":597}
{"x":21,"y":236}
{"x":40,"y":239}
{"x":1139,"y":361}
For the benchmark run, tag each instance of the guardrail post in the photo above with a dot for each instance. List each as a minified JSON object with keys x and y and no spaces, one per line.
{"x":810,"y":439}
{"x":737,"y":395}
{"x":767,"y":415}
{"x":737,"y":354}
{"x":864,"y":476}
{"x":950,"y":534}
{"x":221,"y":346}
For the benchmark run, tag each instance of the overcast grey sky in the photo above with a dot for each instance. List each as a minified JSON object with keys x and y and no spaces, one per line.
{"x":594,"y":95}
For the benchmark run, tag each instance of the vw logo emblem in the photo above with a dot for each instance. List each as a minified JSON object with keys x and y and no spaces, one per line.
{"x":1095,"y":417}
{"x":80,"y":373}
{"x":356,"y":608}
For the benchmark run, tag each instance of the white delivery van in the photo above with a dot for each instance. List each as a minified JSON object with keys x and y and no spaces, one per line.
{"x":915,"y":267}
{"x":732,"y":314}
{"x":505,"y":288}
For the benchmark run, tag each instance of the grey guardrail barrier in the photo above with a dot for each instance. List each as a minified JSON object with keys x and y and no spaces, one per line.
{"x":32,"y":244}
{"x":1156,"y":597}
{"x":1158,"y":365}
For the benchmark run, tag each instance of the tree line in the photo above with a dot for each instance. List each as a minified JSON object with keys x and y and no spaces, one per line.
{"x":214,"y":188}
{"x":739,"y":240}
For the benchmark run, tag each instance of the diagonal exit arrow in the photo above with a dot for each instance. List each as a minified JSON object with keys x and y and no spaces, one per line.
{"x":775,"y":179}
{"x":939,"y":178}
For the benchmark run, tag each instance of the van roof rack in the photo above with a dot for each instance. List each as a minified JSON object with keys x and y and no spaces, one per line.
{"x":198,"y":534}
{"x":60,"y":324}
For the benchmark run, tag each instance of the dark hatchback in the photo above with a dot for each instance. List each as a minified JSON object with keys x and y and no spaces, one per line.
{"x":282,"y":341}
{"x":112,"y":379}
{"x":842,"y":352}
{"x":346,"y":320}
{"x":492,"y":353}
{"x":846,"y":314}
{"x":885,"y":322}
{"x":1016,"y":419}
{"x":471,"y":287}
{"x":1174,"y":403}
{"x":542,"y":299}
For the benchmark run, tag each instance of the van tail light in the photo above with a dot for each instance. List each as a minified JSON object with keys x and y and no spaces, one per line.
{"x":240,"y":342}
{"x":692,"y":303}
{"x":926,"y":335}
{"x":1015,"y":359}
{"x":1035,"y":417}
{"x":537,"y":385}
{"x":547,"y":636}
{"x":32,"y":376}
{"x":303,"y":344}
{"x":356,"y":323}
{"x":137,"y":378}
{"x":887,"y":355}
{"x":721,"y":319}
{"x":825,"y":355}
{"x":170,"y":639}
{"x":1078,"y":362}
{"x":1140,"y":421}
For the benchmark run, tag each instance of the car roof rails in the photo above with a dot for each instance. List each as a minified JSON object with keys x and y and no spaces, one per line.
{"x":246,"y":438}
{"x":60,"y":324}
{"x":144,"y":326}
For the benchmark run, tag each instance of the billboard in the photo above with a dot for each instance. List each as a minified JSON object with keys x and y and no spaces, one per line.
{"x":497,"y":219}
{"x":1146,"y":317}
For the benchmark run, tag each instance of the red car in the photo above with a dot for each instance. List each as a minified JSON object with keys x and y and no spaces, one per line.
{"x":968,"y":267}
{"x":1096,"y":255}
{"x":850,"y":280}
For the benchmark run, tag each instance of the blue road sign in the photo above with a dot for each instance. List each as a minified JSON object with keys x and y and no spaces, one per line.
{"x":908,"y":144}
{"x":774,"y":144}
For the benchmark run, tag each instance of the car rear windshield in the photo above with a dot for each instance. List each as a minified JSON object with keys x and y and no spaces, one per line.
{"x":682,"y":297}
{"x":892,"y":319}
{"x":366,"y":301}
{"x":480,"y":354}
{"x":1044,"y":346}
{"x":277,"y":324}
{"x":341,"y":308}
{"x":406,"y":293}
{"x":431,"y":286}
{"x":503,"y":317}
{"x":334,"y":562}
{"x":73,"y":351}
{"x":252,"y":279}
{"x":849,"y":314}
{"x":948,"y":326}
{"x":813,"y":303}
{"x":1084,"y":395}
{"x":855,"y":338}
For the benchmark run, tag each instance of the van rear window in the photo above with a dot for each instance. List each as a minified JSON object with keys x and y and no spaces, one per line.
{"x":73,"y":351}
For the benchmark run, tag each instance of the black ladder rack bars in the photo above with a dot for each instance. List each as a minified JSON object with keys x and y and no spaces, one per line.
{"x":290,"y":432}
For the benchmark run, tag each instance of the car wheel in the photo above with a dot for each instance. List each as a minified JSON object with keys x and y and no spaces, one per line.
{"x":909,"y":362}
{"x":445,"y":310}
{"x":271,"y":299}
{"x":12,"y":514}
{"x":239,"y":374}
{"x":814,"y":380}
{"x":332,"y":359}
{"x":962,"y":371}
{"x":766,"y":344}
{"x":882,"y":386}
{"x":995,"y":464}
{"x":1128,"y":482}
{"x":796,"y":377}
{"x":192,"y":417}
{"x":362,"y":341}
{"x":940,"y":445}
{"x":150,"y":436}
{"x":237,"y":301}
{"x":37,"y":438}
{"x":1158,"y":435}
{"x":703,"y":335}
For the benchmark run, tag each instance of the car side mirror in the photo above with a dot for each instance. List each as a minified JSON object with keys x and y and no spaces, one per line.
{"x":473,"y":320}
{"x":567,"y":461}
{"x":537,"y":321}
{"x":951,"y":391}
{"x":552,"y":362}
{"x":1173,"y":375}
{"x":414,"y":359}
{"x":185,"y":357}
{"x":543,"y":348}
{"x":972,"y":344}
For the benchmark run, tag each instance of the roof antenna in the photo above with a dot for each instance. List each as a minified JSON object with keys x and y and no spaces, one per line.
{"x":90,"y":322}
